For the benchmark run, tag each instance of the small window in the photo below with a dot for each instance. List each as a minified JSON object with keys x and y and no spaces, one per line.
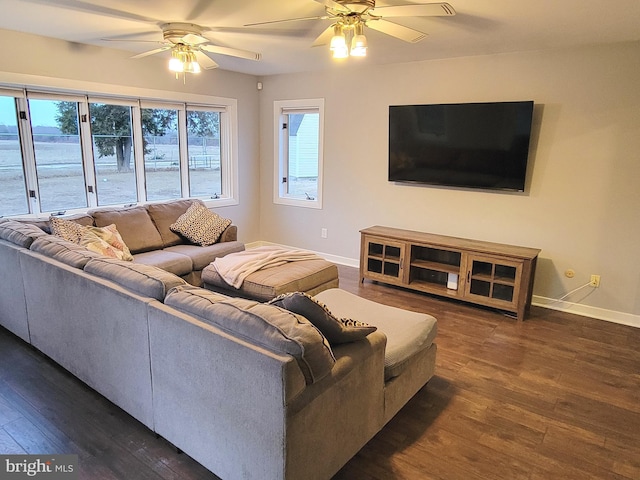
{"x":298,"y":152}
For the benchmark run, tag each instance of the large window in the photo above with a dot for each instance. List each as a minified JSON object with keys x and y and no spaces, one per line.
{"x":298,"y":152}
{"x":60,"y":153}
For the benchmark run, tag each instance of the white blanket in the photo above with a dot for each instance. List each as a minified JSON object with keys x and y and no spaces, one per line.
{"x":235,"y":267}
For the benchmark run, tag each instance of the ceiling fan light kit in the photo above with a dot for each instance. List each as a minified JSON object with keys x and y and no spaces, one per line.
{"x":348,"y":38}
{"x":359,"y":42}
{"x":183,"y":60}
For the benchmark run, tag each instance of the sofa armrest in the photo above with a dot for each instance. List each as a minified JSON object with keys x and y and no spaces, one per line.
{"x":230,"y":234}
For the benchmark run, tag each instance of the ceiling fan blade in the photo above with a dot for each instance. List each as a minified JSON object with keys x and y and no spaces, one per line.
{"x":152,"y":52}
{"x":153,"y":36}
{"x":324,"y":38}
{"x":398,"y":31}
{"x":205,"y":61}
{"x":160,"y":42}
{"x":194,"y":39}
{"x":323,"y":17}
{"x":82,"y":6}
{"x":425,"y":10}
{"x":334,"y":6}
{"x":232,"y":52}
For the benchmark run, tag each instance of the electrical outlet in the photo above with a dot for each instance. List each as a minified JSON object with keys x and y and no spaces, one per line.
{"x":323,"y":233}
{"x":595,"y":281}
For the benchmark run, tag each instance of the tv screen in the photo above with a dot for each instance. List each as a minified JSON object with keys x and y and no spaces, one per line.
{"x":468,"y":145}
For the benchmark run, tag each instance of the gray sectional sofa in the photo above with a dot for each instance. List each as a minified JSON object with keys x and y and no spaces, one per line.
{"x":250,"y":390}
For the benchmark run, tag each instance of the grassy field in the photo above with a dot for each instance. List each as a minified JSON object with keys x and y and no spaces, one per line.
{"x":61,"y":182}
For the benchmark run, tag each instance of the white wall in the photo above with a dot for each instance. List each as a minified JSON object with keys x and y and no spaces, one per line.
{"x":54,"y":63}
{"x":581,"y":206}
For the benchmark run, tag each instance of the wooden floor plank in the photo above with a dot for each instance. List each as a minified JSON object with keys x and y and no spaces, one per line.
{"x":556,"y":396}
{"x":8,"y":445}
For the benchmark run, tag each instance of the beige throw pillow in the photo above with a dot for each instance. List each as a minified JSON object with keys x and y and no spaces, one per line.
{"x":106,"y":241}
{"x":200,"y":225}
{"x":103,"y":240}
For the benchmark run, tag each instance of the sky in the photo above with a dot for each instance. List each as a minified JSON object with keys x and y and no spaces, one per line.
{"x":43,"y":112}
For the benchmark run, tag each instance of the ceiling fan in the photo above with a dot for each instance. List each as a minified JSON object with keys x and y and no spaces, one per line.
{"x":351,"y":16}
{"x":189,"y":48}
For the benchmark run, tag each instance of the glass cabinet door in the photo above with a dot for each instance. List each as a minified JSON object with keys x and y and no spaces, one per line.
{"x":493,"y":281}
{"x":384,"y":259}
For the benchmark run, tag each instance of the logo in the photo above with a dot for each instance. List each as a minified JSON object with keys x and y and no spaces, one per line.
{"x":49,"y":467}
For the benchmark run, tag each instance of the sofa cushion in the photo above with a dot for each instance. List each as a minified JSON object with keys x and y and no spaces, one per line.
{"x":165,"y":214}
{"x":138,"y":231}
{"x":268,"y":326}
{"x":18,"y":233}
{"x":145,"y":280}
{"x":337,"y":330}
{"x":45,"y":224}
{"x":63,"y":250}
{"x":42,"y":224}
{"x":169,"y":261}
{"x":203,"y":256}
{"x":200,"y":225}
{"x":106,"y":241}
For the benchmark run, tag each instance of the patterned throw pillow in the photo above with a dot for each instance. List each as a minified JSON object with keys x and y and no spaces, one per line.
{"x":106,"y":241}
{"x":70,"y":231}
{"x":336,"y":330}
{"x":200,"y":225}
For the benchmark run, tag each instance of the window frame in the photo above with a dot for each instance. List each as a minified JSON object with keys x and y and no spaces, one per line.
{"x":282,"y":108}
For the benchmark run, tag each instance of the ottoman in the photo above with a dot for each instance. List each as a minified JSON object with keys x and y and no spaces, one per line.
{"x":308,"y":276}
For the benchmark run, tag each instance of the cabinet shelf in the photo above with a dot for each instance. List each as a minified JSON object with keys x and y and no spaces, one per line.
{"x":485,"y":273}
{"x":434,"y":288}
{"x":441,"y":267}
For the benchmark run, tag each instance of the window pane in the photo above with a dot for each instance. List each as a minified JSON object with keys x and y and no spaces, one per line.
{"x":161,"y":153}
{"x":302,"y":166}
{"x":113,"y":153}
{"x":58,"y":155}
{"x":205,"y":175}
{"x":13,"y":192}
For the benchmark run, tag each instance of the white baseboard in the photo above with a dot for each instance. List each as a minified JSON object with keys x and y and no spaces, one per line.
{"x":550,"y":303}
{"x":588,"y":311}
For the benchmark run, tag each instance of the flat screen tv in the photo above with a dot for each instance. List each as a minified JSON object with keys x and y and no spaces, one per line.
{"x":467,"y":145}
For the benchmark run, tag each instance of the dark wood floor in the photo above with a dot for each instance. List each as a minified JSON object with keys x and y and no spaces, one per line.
{"x":554,"y":397}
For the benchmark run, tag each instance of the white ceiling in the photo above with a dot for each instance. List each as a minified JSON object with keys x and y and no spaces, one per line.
{"x":480,"y":27}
